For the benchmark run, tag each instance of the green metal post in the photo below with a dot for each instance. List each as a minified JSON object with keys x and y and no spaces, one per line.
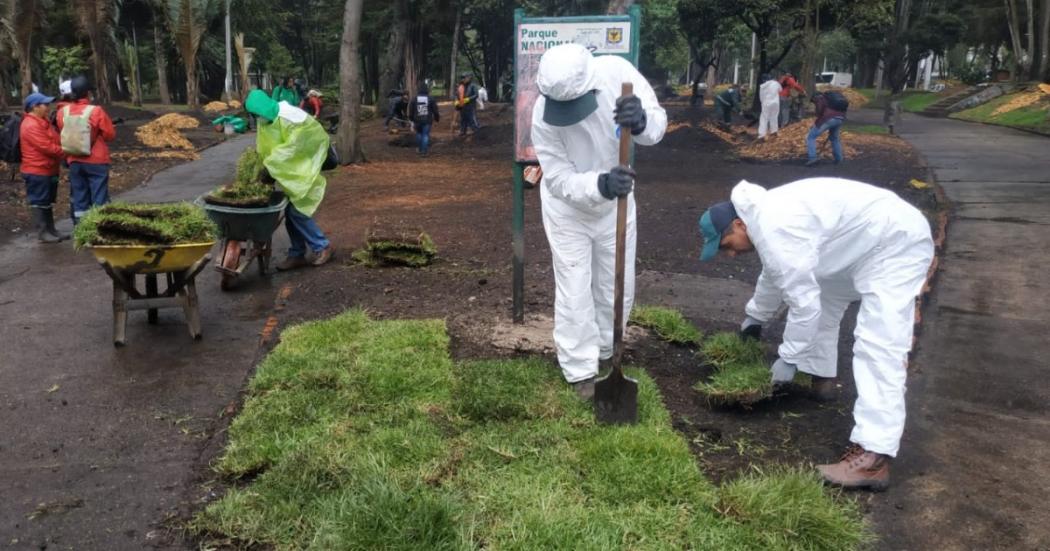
{"x":518,"y":227}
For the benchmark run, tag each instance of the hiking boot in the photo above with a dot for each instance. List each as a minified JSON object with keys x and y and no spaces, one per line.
{"x":40,"y":217}
{"x":824,"y":389}
{"x":291,"y":263}
{"x":858,"y":469}
{"x":323,"y":257}
{"x":812,"y":162}
{"x":584,"y":389}
{"x":49,"y":220}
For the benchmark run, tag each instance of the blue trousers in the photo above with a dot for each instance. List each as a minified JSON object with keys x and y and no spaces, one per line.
{"x":423,"y":137}
{"x":303,"y":232}
{"x":88,"y":187}
{"x":468,"y":118}
{"x":831,"y":126}
{"x":41,"y":191}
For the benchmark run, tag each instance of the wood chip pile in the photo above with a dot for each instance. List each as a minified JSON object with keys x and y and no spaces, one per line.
{"x":217,"y":106}
{"x":1023,"y":100}
{"x":856,"y":99}
{"x":163,"y":132}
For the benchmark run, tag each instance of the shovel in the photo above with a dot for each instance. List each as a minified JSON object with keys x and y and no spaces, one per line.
{"x":616,"y":395}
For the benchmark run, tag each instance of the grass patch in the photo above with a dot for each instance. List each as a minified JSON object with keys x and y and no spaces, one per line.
{"x":364,"y":435}
{"x":248,"y":189}
{"x":1034,"y":116}
{"x":741,"y":374}
{"x":143,"y":224}
{"x":668,"y":323}
{"x":911,"y":101}
{"x":724,"y":349}
{"x":866,"y":129}
{"x":413,"y":250}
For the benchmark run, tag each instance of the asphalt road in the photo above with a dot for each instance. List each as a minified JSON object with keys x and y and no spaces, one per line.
{"x":974,"y":468}
{"x":97,"y":443}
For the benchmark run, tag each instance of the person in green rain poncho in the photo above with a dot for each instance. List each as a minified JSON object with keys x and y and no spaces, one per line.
{"x":293,"y":147}
{"x":286,"y":91}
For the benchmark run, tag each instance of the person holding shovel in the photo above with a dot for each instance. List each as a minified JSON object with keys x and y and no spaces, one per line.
{"x":824,"y":243}
{"x":293,"y":147}
{"x":576,"y":123}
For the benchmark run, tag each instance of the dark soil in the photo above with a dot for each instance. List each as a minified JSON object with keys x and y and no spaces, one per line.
{"x":124,"y":174}
{"x":461,"y":195}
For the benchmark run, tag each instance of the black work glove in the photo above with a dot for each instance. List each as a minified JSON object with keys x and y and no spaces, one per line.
{"x":618,"y":182}
{"x":629,"y":113}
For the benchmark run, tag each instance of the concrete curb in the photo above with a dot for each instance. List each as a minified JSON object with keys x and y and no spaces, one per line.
{"x":940,"y":236}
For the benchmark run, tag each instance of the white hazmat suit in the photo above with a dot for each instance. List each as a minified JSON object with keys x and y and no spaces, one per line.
{"x":769,"y":97}
{"x":580,"y":223}
{"x":824,"y":243}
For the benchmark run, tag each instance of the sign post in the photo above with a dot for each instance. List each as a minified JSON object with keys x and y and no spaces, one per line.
{"x":603,"y":35}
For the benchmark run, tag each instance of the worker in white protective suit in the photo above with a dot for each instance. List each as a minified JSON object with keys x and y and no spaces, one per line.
{"x":575,"y":131}
{"x":824,"y":243}
{"x":769,"y":97}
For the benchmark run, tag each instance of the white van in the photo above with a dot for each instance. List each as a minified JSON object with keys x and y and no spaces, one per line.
{"x":837,"y":80}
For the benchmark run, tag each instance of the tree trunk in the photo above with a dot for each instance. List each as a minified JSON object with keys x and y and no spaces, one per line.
{"x":349,"y":143}
{"x":413,"y":56}
{"x":1013,"y":21}
{"x":25,"y":70}
{"x":1030,"y":66}
{"x":103,"y":95}
{"x":619,"y":7}
{"x":810,"y":47}
{"x":455,"y":53}
{"x":393,"y":61}
{"x":161,"y":63}
{"x":1044,"y":38}
{"x":193,"y":100}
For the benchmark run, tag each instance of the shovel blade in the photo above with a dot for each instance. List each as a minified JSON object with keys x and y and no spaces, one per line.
{"x":616,"y":399}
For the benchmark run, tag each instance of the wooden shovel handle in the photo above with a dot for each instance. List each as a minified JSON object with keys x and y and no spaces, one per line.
{"x":621,"y":244}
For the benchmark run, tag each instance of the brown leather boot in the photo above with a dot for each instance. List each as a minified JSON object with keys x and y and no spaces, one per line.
{"x":857,"y":469}
{"x":824,"y":389}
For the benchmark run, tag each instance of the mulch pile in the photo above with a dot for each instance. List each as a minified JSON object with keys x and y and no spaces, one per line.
{"x":163,"y":132}
{"x":790,"y":142}
{"x":1024,"y":99}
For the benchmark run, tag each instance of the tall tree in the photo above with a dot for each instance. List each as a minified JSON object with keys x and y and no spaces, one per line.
{"x":1021,"y":21}
{"x":97,"y":20}
{"x":160,"y":49}
{"x":349,"y":142}
{"x":619,"y":7}
{"x":22,"y":17}
{"x":187,"y":20}
{"x":1044,"y":47}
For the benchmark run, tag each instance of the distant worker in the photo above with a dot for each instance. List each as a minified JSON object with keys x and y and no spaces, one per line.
{"x":576,"y":124}
{"x":293,"y":147}
{"x":831,"y":113}
{"x":312,"y":104}
{"x":769,"y":96}
{"x":424,"y":112}
{"x":789,"y":87}
{"x":85,"y":130}
{"x":731,"y":99}
{"x":466,"y":103}
{"x":397,"y":105}
{"x":41,"y":154}
{"x":825,"y":243}
{"x":286,"y":91}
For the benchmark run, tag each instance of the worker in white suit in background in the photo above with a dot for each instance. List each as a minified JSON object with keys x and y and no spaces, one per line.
{"x":769,"y":97}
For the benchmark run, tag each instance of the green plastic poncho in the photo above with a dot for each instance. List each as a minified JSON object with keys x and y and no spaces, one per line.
{"x":293,"y":155}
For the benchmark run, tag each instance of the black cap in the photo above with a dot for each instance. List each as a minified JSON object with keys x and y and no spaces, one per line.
{"x":80,"y":85}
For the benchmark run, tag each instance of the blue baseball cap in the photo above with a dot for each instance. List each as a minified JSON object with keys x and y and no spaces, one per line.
{"x":36,"y":98}
{"x":713,"y":224}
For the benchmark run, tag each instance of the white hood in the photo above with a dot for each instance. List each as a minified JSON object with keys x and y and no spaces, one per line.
{"x":747,"y":200}
{"x":566,"y":72}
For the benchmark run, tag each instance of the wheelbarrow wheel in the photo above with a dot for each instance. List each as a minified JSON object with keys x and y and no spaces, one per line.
{"x":264,"y":252}
{"x":231,"y":259}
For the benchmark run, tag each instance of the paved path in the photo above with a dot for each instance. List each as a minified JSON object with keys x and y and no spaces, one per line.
{"x":97,"y":444}
{"x":974,"y":471}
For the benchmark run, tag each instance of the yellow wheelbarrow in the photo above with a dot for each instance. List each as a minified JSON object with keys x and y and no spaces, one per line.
{"x":180,"y":265}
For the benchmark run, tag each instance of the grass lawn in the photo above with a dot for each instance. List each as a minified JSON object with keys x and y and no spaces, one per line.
{"x":1035,"y":116}
{"x":362,"y":434}
{"x":865,"y":128}
{"x":913,"y":101}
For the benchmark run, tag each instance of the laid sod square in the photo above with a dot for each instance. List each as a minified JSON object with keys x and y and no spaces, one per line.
{"x":668,"y":323}
{"x":359,"y":434}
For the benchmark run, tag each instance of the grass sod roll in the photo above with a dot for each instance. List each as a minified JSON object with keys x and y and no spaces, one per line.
{"x":741,"y":376}
{"x":247,"y":190}
{"x":364,"y":434}
{"x":143,"y":224}
{"x":668,"y":323}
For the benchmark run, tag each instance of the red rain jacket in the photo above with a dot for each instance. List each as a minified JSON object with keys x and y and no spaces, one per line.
{"x":102,"y":131}
{"x":41,"y":150}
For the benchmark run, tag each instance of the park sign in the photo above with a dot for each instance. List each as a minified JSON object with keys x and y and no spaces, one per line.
{"x":602,"y":35}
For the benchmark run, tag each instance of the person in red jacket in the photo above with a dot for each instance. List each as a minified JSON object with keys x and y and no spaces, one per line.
{"x":787,"y":84}
{"x":312,"y":104}
{"x":88,"y":174}
{"x":41,"y":153}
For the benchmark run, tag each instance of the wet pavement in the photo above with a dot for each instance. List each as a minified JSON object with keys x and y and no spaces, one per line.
{"x":98,"y":444}
{"x":974,"y":469}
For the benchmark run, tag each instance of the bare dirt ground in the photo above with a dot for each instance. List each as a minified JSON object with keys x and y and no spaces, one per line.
{"x":133,"y":163}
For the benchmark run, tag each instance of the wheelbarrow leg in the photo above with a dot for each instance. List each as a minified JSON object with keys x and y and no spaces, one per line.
{"x":191,"y":309}
{"x":151,"y":292}
{"x":120,"y":315}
